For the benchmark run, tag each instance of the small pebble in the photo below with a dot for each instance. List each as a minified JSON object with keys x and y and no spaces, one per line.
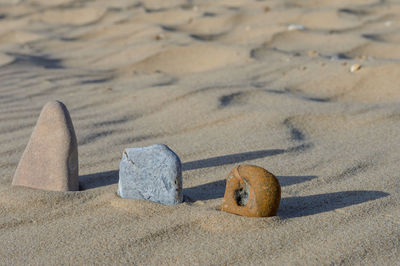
{"x":296,"y":27}
{"x":388,"y":23}
{"x":160,"y":36}
{"x":355,"y":67}
{"x":312,"y":53}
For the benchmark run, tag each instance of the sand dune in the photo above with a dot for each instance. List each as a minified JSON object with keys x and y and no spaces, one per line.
{"x":196,"y":58}
{"x":78,"y":16}
{"x":222,"y":83}
{"x":5,"y":59}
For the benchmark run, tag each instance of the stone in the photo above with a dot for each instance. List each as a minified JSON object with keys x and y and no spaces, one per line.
{"x":151,"y":173}
{"x":355,"y":67}
{"x":50,"y":160}
{"x":251,"y":191}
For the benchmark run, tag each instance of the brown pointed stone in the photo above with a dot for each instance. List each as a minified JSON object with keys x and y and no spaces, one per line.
{"x":50,"y":160}
{"x":251,"y":191}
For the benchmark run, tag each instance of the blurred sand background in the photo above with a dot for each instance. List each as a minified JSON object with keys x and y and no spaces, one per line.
{"x":221,"y":83}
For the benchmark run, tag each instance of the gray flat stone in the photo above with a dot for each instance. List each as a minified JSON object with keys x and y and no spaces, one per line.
{"x":151,"y":173}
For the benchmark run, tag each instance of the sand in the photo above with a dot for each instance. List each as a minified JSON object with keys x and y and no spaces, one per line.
{"x":221,"y":83}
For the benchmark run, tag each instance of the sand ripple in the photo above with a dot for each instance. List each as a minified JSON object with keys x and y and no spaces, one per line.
{"x":222,"y":83}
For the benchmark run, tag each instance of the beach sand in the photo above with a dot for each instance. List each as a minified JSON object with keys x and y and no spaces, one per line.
{"x":222,"y":83}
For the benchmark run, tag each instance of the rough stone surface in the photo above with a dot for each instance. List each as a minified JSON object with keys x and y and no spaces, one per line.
{"x":151,"y":173}
{"x":251,"y":191}
{"x":50,"y":160}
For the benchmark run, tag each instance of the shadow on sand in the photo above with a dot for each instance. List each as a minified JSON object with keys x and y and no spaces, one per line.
{"x":290,"y":207}
{"x":230,"y":159}
{"x":215,"y":190}
{"x":111,"y":177}
{"x":309,"y":205}
{"x":98,"y":180}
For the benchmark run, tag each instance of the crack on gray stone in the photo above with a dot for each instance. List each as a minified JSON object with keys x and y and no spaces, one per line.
{"x":143,"y":196}
{"x":129,"y":160}
{"x":151,"y":173}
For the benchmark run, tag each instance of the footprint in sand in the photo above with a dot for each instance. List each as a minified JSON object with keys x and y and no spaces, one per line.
{"x":390,"y":37}
{"x":5,"y":59}
{"x":186,"y":59}
{"x":156,"y":5}
{"x":225,"y":222}
{"x":19,"y":37}
{"x":377,"y":50}
{"x":326,"y":20}
{"x":369,"y":84}
{"x":326,"y":44}
{"x":209,"y":26}
{"x":52,"y":3}
{"x":140,"y":208}
{"x":76,"y":16}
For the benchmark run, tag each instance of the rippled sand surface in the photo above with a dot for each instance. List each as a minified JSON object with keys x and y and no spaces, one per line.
{"x":222,"y":83}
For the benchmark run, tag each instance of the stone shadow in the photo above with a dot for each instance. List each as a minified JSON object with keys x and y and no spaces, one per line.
{"x":36,"y":60}
{"x":230,"y":159}
{"x":111,"y":177}
{"x":292,"y":207}
{"x":98,"y":180}
{"x":215,"y":190}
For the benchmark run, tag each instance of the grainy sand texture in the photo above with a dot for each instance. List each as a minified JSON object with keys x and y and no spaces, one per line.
{"x":222,"y":83}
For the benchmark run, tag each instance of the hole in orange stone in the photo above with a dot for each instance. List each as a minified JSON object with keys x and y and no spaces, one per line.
{"x":242,"y":196}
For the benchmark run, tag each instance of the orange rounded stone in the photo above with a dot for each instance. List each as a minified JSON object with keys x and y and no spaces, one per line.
{"x":251,"y":191}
